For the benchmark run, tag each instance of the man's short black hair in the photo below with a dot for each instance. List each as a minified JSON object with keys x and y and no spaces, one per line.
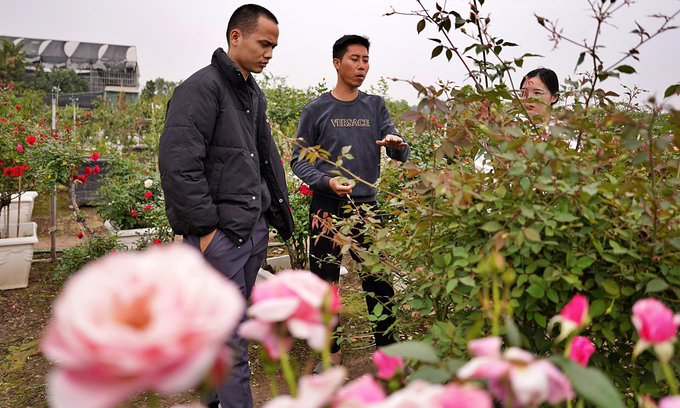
{"x":246,"y":17}
{"x":340,"y":46}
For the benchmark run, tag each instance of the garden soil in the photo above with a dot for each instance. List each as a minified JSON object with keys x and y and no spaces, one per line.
{"x":24,"y":314}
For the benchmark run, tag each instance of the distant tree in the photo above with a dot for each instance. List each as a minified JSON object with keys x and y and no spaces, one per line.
{"x":12,"y":62}
{"x":158,"y":87}
{"x":65,"y":79}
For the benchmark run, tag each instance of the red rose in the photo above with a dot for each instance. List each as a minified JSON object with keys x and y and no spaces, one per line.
{"x":96,"y":169}
{"x":305,"y":190}
{"x":133,"y":212}
{"x":77,"y":124}
{"x":18,"y":107}
{"x":148,"y":207}
{"x":30,"y":140}
{"x":3,"y":120}
{"x":8,"y":172}
{"x":80,"y":235}
{"x":148,"y":194}
{"x":17,"y":171}
{"x":67,"y":127}
{"x":95,"y":156}
{"x":87,"y":114}
{"x":55,"y":136}
{"x":156,"y":241}
{"x":87,"y":171}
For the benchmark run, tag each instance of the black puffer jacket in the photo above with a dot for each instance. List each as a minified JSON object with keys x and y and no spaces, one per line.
{"x":215,"y":145}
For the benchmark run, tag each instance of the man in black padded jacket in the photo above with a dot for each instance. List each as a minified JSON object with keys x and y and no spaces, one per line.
{"x":221,"y":173}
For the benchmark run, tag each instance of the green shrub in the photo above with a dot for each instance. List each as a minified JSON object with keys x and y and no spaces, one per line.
{"x":93,"y":248}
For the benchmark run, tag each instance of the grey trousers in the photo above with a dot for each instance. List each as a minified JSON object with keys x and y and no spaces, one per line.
{"x":240,"y":265}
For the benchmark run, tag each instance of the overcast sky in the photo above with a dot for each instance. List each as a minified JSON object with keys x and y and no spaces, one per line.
{"x":174,"y":38}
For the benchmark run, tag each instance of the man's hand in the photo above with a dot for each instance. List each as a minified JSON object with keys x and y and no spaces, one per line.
{"x":341,"y":189}
{"x":392,"y":141}
{"x":205,"y":240}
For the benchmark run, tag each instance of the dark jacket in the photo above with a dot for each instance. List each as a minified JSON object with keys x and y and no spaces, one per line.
{"x":214,"y":152}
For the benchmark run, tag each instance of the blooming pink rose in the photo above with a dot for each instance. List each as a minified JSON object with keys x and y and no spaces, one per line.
{"x":362,"y":391}
{"x":456,"y":396}
{"x":657,"y":326}
{"x":20,"y":148}
{"x":387,"y":365}
{"x":573,"y":316}
{"x":581,"y":350}
{"x":417,"y":393}
{"x":486,"y":346}
{"x":153,"y":320}
{"x":532,"y":382}
{"x":670,"y":402}
{"x":314,"y":391}
{"x":291,"y":303}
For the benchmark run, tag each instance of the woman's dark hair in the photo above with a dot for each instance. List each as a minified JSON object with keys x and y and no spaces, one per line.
{"x":341,"y":45}
{"x":548,"y":77}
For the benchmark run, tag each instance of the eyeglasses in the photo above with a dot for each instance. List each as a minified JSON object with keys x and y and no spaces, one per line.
{"x":533,"y":94}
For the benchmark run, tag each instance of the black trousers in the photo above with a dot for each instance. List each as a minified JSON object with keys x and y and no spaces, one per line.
{"x":378,"y":290}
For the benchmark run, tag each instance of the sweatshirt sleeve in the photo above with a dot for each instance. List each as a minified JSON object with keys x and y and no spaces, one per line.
{"x":307,"y":136}
{"x":387,"y":128}
{"x":189,"y":122}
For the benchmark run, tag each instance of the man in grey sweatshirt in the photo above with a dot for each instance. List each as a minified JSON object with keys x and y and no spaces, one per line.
{"x":347,"y":117}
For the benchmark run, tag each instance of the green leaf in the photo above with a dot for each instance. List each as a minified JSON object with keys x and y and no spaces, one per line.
{"x":610,"y":287}
{"x":584,"y":262}
{"x":609,"y":335}
{"x":412,"y":349}
{"x":540,"y":319}
{"x":656,"y":285}
{"x":432,"y":375}
{"x":565,"y":217}
{"x":536,"y":291}
{"x":590,"y":383}
{"x":531,"y":234}
{"x":552,"y":295}
{"x":437,"y":50}
{"x":451,"y":285}
{"x":421,"y":26}
{"x":626,"y":69}
{"x":672,"y":90}
{"x":597,"y":307}
{"x":491,"y":226}
{"x":468,"y":281}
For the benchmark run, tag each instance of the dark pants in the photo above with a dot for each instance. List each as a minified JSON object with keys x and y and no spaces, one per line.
{"x":240,"y":265}
{"x":377,"y":290}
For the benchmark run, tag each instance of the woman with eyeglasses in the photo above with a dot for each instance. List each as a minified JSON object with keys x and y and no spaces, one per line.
{"x":541,"y":87}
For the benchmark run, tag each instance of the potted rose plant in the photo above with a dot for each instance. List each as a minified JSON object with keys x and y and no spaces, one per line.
{"x":132,"y":203}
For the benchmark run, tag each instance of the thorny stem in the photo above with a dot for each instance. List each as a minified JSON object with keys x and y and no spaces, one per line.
{"x":76,"y":211}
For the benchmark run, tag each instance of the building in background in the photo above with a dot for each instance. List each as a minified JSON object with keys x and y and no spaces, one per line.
{"x":111,"y":70}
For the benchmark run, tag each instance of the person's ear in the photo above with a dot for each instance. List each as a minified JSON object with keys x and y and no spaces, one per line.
{"x":554,"y":98}
{"x":234,"y":37}
{"x":336,"y":64}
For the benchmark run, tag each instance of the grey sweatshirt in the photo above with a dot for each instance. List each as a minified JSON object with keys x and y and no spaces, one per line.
{"x":334,"y":124}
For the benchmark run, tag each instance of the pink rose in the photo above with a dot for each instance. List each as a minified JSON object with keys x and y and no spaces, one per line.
{"x":487,"y":346}
{"x":20,"y":148}
{"x":532,"y":382}
{"x":314,"y":391}
{"x":573,"y":316}
{"x":387,"y":365}
{"x":295,"y":303}
{"x":581,"y":350}
{"x":456,"y":396}
{"x":657,"y":326}
{"x":670,"y":402}
{"x":364,"y":390}
{"x":153,"y":320}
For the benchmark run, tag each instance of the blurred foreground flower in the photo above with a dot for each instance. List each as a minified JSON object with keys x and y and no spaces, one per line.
{"x":387,"y":365}
{"x":292,"y":303}
{"x":657,"y":326}
{"x":574,"y":316}
{"x":581,"y":350}
{"x":515,"y":374}
{"x":131,"y":322}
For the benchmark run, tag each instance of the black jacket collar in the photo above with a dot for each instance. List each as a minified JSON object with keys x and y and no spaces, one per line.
{"x":232,"y":73}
